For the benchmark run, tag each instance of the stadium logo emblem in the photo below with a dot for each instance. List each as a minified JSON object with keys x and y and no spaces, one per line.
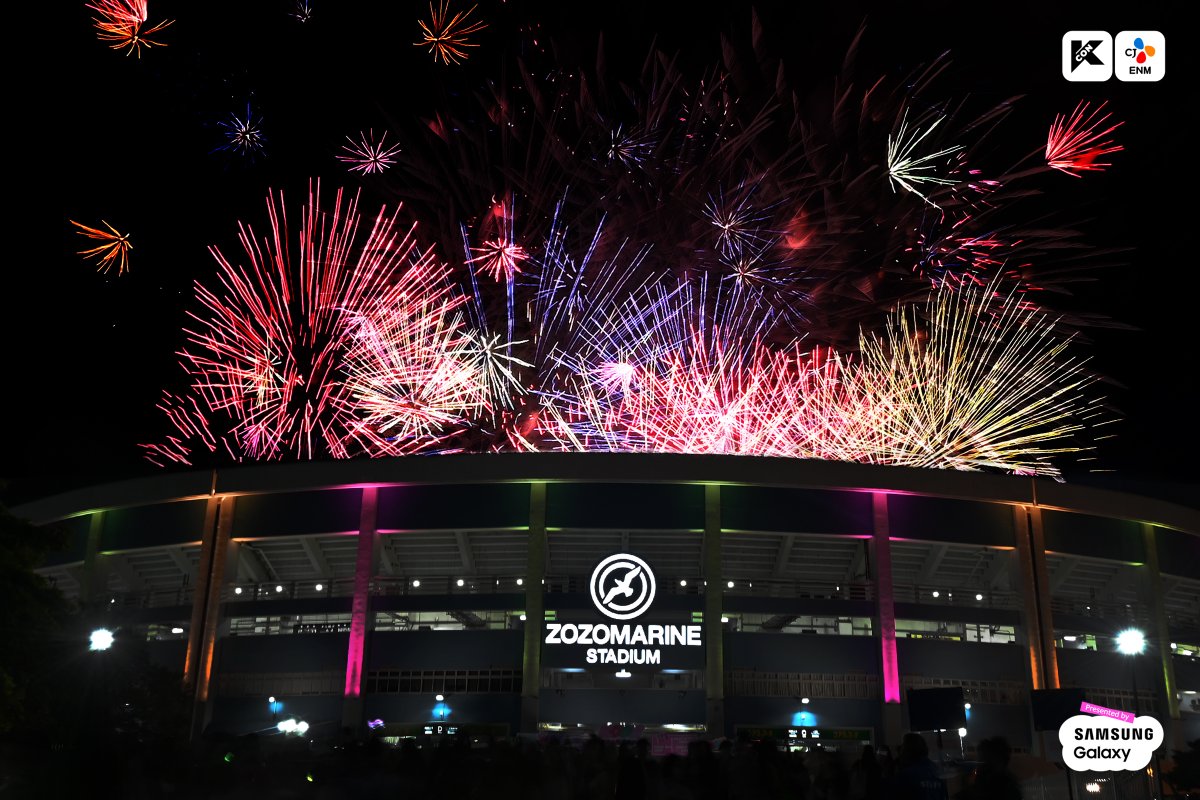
{"x":622,"y":586}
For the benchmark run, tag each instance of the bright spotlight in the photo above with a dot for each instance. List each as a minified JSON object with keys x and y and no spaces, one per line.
{"x":979,"y":597}
{"x":278,"y":589}
{"x":301,"y":727}
{"x":101,"y":639}
{"x":460,"y":582}
{"x":1131,"y":641}
{"x":729,"y":585}
{"x":804,"y":700}
{"x":286,"y":726}
{"x":962,"y":733}
{"x":271,"y":699}
{"x":439,"y":697}
{"x":937,"y":594}
{"x":520,"y":581}
{"x":683,"y":583}
{"x":237,"y":590}
{"x":416,"y":584}
{"x":177,"y":630}
{"x":319,"y":587}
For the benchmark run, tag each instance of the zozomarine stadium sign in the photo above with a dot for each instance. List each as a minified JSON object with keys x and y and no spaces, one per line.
{"x":622,"y":588}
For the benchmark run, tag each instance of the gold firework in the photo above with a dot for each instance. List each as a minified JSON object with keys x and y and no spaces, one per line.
{"x":446,"y":34}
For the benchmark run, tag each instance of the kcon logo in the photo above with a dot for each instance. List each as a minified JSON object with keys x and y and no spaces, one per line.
{"x":622,"y":586}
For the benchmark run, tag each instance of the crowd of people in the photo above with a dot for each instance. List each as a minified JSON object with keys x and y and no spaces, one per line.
{"x":555,"y":770}
{"x":456,"y":768}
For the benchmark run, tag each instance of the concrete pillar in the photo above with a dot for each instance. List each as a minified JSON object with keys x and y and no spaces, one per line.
{"x":1031,"y":617}
{"x":885,"y":603}
{"x":214,"y":586}
{"x":200,"y":593}
{"x":1160,"y":635}
{"x":360,"y":613}
{"x":1037,"y":543}
{"x":535,"y":611}
{"x":714,"y":594}
{"x":94,"y":577}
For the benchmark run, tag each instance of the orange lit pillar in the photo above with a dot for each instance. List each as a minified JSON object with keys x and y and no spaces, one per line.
{"x":886,"y":619}
{"x":360,"y":612}
{"x":200,"y":593}
{"x":1037,"y":541}
{"x":205,"y":652}
{"x":1031,"y":616}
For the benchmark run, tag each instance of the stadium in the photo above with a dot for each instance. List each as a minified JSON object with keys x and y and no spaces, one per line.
{"x":483,"y":594}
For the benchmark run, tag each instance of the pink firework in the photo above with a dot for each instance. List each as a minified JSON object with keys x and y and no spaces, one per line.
{"x":368,"y":155}
{"x":1076,"y":143}
{"x":266,"y":353}
{"x":499,"y":257}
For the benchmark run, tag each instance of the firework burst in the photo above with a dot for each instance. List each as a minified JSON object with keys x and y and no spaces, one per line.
{"x":267,"y":350}
{"x":113,"y":249}
{"x":446,"y":34}
{"x":123,"y":24}
{"x":1077,"y":142}
{"x":907,"y":167}
{"x":973,"y":380}
{"x":368,"y":155}
{"x":243,"y":135}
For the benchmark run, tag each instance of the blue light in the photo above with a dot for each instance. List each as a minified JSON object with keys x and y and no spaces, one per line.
{"x":441,"y":711}
{"x":804,"y":719}
{"x":276,"y":707}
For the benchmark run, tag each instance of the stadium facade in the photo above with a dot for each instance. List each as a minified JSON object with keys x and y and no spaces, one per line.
{"x":507,"y":593}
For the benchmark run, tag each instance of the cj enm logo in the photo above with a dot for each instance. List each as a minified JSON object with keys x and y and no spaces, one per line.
{"x":622,"y":586}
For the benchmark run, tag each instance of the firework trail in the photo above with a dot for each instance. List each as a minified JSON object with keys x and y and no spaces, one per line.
{"x":368,"y":155}
{"x":122,"y":24}
{"x":909,"y":169}
{"x":113,"y":249}
{"x":267,"y":350}
{"x":446,"y":34}
{"x":1076,"y":142}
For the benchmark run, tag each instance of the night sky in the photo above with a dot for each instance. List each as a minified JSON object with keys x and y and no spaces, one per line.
{"x":105,"y":136}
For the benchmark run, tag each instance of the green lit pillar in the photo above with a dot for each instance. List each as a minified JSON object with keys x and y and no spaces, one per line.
{"x":1161,"y":635}
{"x":535,"y":612}
{"x":714,"y":592}
{"x":93,"y":566}
{"x":885,"y":606}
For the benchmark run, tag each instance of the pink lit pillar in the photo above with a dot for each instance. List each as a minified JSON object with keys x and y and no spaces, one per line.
{"x":352,"y":710}
{"x":890,"y":669}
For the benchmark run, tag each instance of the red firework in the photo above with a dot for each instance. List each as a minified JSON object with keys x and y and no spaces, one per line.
{"x":1076,"y":143}
{"x":122,"y":23}
{"x":266,"y":354}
